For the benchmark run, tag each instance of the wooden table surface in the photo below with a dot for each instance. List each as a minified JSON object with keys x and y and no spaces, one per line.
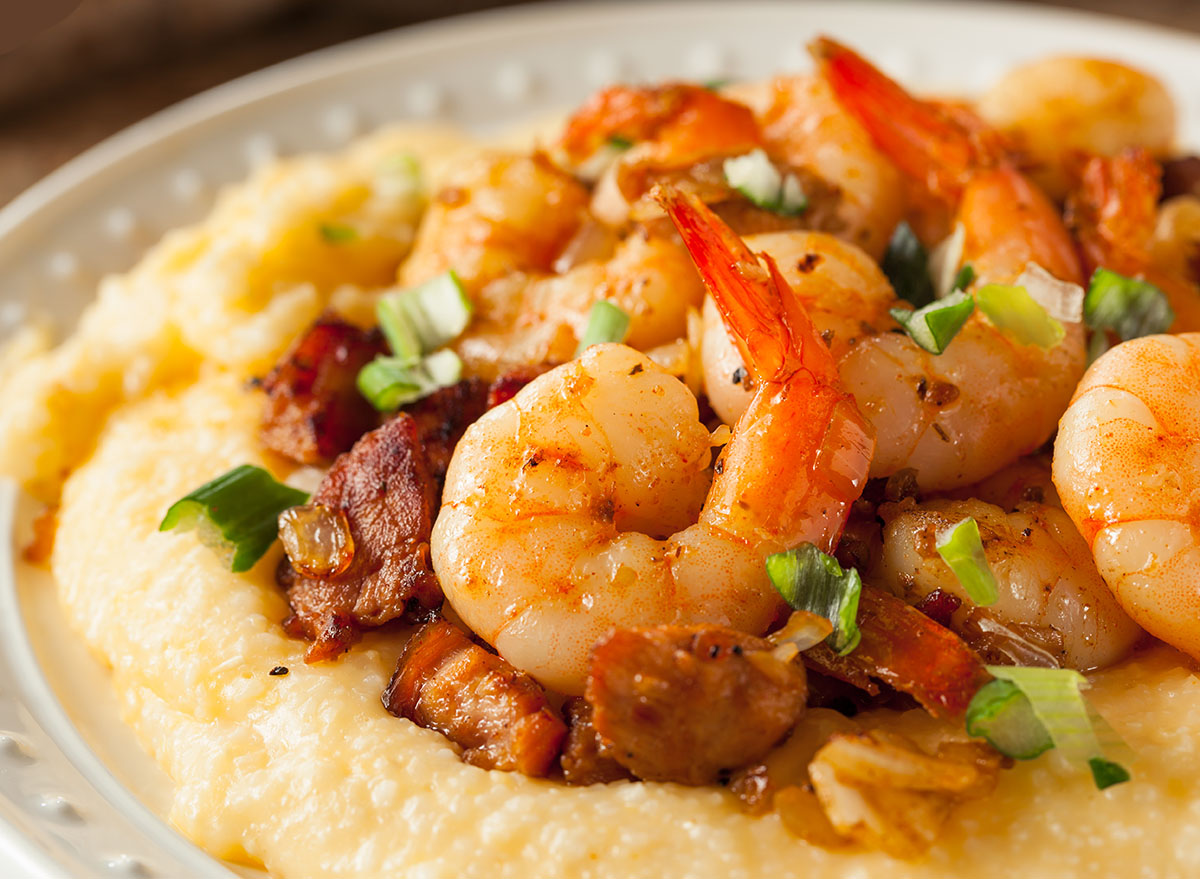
{"x":37,"y":137}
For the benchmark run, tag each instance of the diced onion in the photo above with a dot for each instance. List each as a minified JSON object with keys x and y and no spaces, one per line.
{"x":1061,"y":299}
{"x":757,"y":178}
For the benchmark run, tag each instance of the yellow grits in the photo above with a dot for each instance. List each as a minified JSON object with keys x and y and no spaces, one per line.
{"x":307,"y":773}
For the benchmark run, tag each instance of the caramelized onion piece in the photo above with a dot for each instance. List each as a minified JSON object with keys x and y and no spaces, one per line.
{"x":317,"y":539}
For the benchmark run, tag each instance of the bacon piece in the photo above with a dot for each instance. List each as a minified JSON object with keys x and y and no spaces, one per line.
{"x":685,"y":703}
{"x":907,"y":650}
{"x":441,"y":419}
{"x":939,"y":606}
{"x":384,"y":488}
{"x":585,"y":759}
{"x":499,"y":715}
{"x":314,"y":410}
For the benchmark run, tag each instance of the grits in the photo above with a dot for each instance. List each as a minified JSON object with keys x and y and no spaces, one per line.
{"x":306,"y":773}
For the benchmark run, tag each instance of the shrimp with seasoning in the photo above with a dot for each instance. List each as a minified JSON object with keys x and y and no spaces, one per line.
{"x":585,"y":503}
{"x":988,"y":399}
{"x":517,"y":232}
{"x":1113,"y":211}
{"x":1127,"y":467}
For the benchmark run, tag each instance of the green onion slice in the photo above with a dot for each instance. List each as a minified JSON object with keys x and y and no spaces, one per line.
{"x":935,"y":325}
{"x":964,"y":278}
{"x":906,"y":265}
{"x":1107,"y":773}
{"x":236,"y":514}
{"x":606,"y":323}
{"x":1097,"y":344}
{"x":757,"y":178}
{"x":620,"y":142}
{"x":810,"y":580}
{"x":1002,"y":714}
{"x":337,"y":233}
{"x":961,"y":547}
{"x":390,"y":382}
{"x":1056,"y":699}
{"x":424,"y":318}
{"x":1128,"y":306}
{"x":1015,"y":312}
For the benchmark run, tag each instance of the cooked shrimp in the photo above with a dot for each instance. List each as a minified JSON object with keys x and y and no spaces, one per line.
{"x":1055,"y":107}
{"x":804,"y":125}
{"x":1113,"y":209}
{"x":503,"y":224}
{"x":585,"y":502}
{"x":988,"y":399}
{"x":1053,"y":608}
{"x":1127,"y":466}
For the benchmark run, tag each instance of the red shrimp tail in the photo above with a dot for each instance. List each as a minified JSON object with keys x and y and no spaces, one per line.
{"x":925,"y":142}
{"x":1113,"y":208}
{"x":749,"y":298}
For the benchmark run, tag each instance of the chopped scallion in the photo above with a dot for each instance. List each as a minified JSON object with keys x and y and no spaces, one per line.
{"x":619,"y":142}
{"x":1129,"y":306}
{"x":1002,"y":714}
{"x":337,"y":233}
{"x":389,"y":383}
{"x":1107,"y":773}
{"x":810,"y":580}
{"x":757,"y":178}
{"x":964,"y":278}
{"x":961,"y":547}
{"x":1056,"y":700}
{"x":606,"y":323}
{"x":424,"y":318}
{"x":936,"y":324}
{"x":1015,"y":312}
{"x":236,"y":514}
{"x":906,"y":265}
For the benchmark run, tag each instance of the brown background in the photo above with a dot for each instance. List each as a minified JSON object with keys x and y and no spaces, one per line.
{"x":112,"y":62}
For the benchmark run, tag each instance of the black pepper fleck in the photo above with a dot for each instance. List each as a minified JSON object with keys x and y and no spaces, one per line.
{"x":278,"y":671}
{"x":739,"y":374}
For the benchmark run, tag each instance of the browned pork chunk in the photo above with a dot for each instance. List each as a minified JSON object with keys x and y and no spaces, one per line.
{"x":497,"y":714}
{"x":686,"y":703}
{"x":585,"y":759}
{"x":441,"y":419}
{"x":383,"y":487}
{"x":314,"y":411}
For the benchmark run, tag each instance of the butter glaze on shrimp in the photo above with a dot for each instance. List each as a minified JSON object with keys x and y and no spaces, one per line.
{"x":1127,"y":467}
{"x":585,"y":502}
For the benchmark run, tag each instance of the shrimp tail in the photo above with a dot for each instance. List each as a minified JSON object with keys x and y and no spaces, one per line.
{"x":926,"y":141}
{"x":1113,"y":208}
{"x":770,"y":327}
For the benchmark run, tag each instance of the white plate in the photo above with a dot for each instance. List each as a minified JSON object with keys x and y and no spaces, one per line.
{"x":77,"y":796}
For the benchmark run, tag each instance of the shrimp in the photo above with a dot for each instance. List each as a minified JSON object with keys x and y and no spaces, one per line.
{"x":1056,"y":107}
{"x":585,"y":502}
{"x":1127,"y":467}
{"x":1053,"y":608}
{"x":803,"y":124}
{"x":681,"y":133}
{"x":1114,"y":212}
{"x":504,"y":225}
{"x":987,"y":400}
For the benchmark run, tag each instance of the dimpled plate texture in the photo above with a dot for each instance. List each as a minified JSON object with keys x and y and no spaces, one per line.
{"x":77,"y":796}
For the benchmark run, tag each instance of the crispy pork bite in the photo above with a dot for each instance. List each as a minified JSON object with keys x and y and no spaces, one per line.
{"x":585,"y":758}
{"x":314,"y":410}
{"x":441,"y":419}
{"x":497,"y":714}
{"x":904,"y":648}
{"x":385,"y":491}
{"x":687,"y":703}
